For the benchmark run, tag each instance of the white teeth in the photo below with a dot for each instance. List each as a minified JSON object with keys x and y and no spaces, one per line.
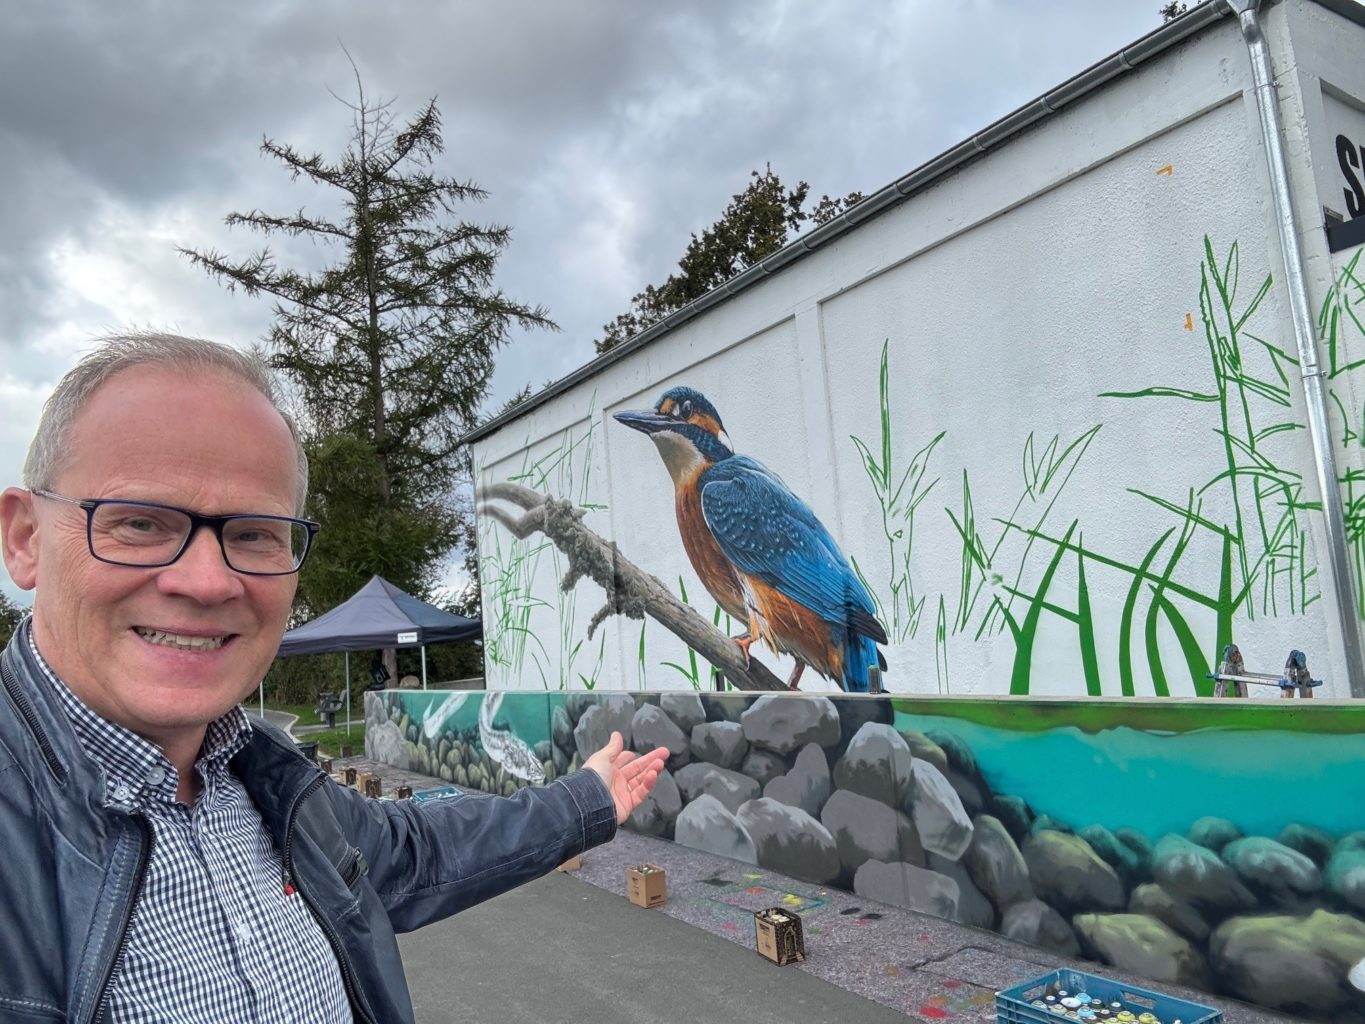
{"x":182,"y":643}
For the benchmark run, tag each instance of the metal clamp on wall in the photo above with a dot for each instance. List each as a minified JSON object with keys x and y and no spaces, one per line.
{"x":1231,"y":669}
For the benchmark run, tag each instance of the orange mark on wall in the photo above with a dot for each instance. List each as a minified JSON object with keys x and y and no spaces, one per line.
{"x":1189,"y":322}
{"x":1167,"y":170}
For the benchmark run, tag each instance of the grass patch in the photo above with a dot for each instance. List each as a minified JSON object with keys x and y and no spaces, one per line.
{"x":329,"y":741}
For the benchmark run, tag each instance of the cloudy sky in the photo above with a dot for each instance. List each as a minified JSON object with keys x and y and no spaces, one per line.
{"x":605,"y":132}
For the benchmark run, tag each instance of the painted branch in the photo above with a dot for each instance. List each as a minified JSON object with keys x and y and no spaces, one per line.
{"x":630,"y":591}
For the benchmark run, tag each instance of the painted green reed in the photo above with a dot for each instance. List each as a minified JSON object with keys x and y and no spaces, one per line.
{"x":511,"y":573}
{"x":899,"y":495}
{"x":1341,"y":323}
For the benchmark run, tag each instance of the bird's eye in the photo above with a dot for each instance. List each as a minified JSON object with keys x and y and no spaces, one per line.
{"x":686,"y":409}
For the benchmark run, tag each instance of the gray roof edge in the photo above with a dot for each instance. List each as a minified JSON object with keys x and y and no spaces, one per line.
{"x":1351,"y":10}
{"x":1168,"y":35}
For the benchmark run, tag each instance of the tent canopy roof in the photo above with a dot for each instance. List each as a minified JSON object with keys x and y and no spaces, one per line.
{"x":379,"y":615}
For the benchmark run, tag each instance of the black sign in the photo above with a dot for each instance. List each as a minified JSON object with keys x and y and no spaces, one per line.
{"x":1351,"y":232}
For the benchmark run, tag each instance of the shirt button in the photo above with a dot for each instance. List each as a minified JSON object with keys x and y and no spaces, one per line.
{"x":156,"y":776}
{"x":122,"y":793}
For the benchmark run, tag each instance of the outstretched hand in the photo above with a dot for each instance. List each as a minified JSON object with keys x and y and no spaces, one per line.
{"x":629,"y":777}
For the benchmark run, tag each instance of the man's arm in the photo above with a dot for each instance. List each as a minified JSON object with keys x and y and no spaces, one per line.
{"x":430,"y":859}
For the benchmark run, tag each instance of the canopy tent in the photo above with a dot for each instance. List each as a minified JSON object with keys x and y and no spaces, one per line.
{"x":378,"y":616}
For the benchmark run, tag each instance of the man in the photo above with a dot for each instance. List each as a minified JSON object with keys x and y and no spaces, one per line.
{"x":165,"y":859}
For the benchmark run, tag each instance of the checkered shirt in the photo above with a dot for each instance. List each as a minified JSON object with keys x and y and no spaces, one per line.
{"x":214,"y":936}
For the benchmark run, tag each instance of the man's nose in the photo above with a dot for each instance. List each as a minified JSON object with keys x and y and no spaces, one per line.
{"x":201,"y":572}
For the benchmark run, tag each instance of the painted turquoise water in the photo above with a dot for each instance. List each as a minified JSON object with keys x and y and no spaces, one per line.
{"x":1158,"y":783}
{"x":527,"y":715}
{"x":1261,"y":780}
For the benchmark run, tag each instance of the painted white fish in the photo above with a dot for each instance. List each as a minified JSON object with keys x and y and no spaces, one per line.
{"x":503,"y":748}
{"x":435,"y":720}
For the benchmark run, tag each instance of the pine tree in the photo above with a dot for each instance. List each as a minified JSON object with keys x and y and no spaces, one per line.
{"x":388,"y":349}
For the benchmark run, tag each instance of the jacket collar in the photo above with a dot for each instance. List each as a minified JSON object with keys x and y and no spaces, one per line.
{"x":53,"y":748}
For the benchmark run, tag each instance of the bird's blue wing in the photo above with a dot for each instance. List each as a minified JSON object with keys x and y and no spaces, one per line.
{"x":771,"y":534}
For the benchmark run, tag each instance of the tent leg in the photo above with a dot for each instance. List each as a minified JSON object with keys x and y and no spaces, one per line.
{"x":262,"y":689}
{"x":424,"y":666}
{"x":348,"y":693}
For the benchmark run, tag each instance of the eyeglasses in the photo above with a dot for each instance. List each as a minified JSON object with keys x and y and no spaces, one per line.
{"x":148,"y":536}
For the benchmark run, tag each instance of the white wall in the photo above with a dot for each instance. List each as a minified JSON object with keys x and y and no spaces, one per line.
{"x":1009,"y":297}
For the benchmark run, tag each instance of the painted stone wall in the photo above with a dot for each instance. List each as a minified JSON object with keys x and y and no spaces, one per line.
{"x":1038,"y":431}
{"x":1220,"y":846}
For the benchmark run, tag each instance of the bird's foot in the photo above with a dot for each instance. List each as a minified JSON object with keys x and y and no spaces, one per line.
{"x":744,"y":643}
{"x":795,"y":677}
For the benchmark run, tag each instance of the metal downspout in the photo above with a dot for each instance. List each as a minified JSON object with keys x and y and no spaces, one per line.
{"x":1333,"y":515}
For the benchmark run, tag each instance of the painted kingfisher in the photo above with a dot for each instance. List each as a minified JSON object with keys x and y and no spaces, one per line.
{"x":759,"y":549}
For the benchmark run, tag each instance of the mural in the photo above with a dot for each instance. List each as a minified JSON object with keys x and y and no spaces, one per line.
{"x":1216,"y":845}
{"x":759,"y":550}
{"x":1220,"y":553}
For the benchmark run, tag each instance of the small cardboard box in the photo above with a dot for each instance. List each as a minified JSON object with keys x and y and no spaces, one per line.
{"x":349,"y":773}
{"x":778,"y":935}
{"x":374,"y":786}
{"x":404,"y":793}
{"x":362,"y":779}
{"x":647,"y":885}
{"x":325,"y":763}
{"x":572,"y":864}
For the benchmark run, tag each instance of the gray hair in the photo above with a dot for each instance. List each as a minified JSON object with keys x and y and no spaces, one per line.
{"x":123,"y":352}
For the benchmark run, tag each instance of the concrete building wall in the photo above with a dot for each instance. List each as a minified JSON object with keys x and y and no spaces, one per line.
{"x":1048,"y":409}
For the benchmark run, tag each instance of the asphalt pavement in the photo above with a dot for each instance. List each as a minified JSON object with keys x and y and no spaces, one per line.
{"x":562,"y":950}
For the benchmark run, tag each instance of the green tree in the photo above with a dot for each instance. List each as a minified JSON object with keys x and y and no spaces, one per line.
{"x":758,"y":222}
{"x":11,"y":615}
{"x":389,"y":348}
{"x":1171,"y":11}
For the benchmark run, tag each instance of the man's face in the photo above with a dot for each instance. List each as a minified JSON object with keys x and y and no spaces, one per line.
{"x":208,"y":443}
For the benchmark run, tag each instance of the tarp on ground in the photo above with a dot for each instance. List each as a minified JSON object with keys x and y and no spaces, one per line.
{"x":379,"y":616}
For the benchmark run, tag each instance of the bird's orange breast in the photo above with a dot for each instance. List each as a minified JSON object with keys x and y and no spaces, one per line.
{"x":714,"y":569}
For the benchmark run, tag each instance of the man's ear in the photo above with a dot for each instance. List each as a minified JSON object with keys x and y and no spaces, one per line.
{"x":19,"y":536}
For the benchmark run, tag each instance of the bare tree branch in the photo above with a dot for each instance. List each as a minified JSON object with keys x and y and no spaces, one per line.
{"x":630,"y":591}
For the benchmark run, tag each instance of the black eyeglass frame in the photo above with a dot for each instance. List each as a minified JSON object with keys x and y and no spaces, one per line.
{"x":215,"y":523}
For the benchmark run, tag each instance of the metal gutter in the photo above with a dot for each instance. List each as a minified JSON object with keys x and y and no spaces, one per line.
{"x":992,"y":136}
{"x":1338,"y":560}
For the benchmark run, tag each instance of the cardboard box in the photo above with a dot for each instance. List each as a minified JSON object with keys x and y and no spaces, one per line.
{"x":778,"y":936}
{"x":374,"y":786}
{"x":646,"y":885}
{"x":572,"y":864}
{"x":404,"y":793}
{"x":349,"y":774}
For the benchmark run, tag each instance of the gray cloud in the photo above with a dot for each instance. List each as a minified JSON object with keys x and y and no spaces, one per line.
{"x":606,"y":132}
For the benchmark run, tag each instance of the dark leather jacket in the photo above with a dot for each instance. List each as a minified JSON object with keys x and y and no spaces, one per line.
{"x":71,"y":864}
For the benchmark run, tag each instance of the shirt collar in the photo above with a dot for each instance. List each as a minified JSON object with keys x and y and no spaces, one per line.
{"x":137,"y":769}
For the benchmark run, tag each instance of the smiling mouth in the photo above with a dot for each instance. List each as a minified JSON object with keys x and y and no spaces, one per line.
{"x":181,"y":642}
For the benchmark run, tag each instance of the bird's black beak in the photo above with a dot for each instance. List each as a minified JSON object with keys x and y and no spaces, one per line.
{"x":645,"y":422}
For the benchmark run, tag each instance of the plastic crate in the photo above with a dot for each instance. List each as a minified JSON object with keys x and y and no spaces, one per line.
{"x":1013,"y":1004}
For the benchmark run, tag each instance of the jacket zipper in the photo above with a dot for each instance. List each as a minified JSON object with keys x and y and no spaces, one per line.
{"x":144,"y":857}
{"x":287,"y":858}
{"x":355,"y":866}
{"x":25,"y":708}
